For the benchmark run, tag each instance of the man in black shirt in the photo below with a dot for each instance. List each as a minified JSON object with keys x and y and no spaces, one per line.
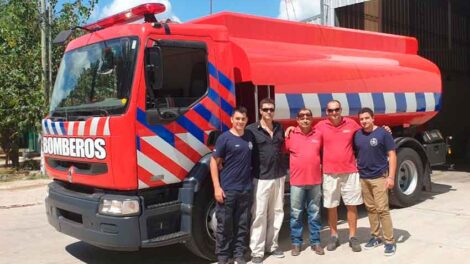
{"x":269,"y":171}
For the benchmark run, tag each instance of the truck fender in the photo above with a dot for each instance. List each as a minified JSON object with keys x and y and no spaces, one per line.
{"x":198,"y":186}
{"x":199,"y":173}
{"x":408,"y":142}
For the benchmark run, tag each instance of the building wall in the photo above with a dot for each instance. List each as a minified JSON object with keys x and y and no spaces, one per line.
{"x":442,"y":28}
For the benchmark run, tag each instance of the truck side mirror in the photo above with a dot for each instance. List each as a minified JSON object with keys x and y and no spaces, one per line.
{"x":153,"y":68}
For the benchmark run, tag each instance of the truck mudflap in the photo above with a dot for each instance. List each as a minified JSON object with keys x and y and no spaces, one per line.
{"x":76,"y":214}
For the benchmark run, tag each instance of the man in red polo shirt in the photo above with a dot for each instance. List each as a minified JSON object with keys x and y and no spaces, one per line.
{"x":340,"y":175}
{"x":304,"y":146}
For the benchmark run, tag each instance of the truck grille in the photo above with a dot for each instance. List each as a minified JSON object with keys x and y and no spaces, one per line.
{"x":74,"y":217}
{"x":88,"y":168}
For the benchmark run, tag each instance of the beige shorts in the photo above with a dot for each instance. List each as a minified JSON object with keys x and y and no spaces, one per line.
{"x":347,"y":186}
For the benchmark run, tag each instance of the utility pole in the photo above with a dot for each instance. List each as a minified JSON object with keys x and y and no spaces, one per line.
{"x":49,"y":43}
{"x":210,"y":7}
{"x":44,"y":53}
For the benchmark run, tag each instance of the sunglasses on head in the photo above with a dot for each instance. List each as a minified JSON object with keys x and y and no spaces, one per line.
{"x":267,"y":109}
{"x":333,"y":110}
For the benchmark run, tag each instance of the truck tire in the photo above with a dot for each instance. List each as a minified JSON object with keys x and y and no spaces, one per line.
{"x":202,"y":242}
{"x":408,"y":178}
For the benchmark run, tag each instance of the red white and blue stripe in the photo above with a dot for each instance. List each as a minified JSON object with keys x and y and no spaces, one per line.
{"x":288,"y":104}
{"x":166,"y":153}
{"x":96,"y":126}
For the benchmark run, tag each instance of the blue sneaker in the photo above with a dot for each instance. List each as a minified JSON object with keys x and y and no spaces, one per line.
{"x":373,"y":243}
{"x":390,"y":249}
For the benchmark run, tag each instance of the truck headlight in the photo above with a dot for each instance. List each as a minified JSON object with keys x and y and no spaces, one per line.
{"x":119,"y":207}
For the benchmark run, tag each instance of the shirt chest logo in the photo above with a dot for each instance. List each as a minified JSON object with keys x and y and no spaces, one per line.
{"x":250,"y":145}
{"x":346,"y":131}
{"x":373,"y":142}
{"x":315,"y":141}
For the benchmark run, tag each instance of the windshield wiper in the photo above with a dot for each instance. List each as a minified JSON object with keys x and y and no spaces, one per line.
{"x":79,"y":112}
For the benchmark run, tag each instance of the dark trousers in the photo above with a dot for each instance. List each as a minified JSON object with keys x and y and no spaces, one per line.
{"x":233,"y":225}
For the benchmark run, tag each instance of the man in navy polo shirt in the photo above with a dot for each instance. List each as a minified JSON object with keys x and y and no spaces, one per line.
{"x":377,"y":162}
{"x":232,"y":188}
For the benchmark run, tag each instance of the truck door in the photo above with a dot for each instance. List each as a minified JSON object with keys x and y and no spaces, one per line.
{"x":249,"y":96}
{"x":182,"y":109}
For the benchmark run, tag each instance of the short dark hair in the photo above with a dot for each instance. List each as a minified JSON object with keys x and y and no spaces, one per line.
{"x":267,"y":100}
{"x":304,"y":109}
{"x":240,"y":109}
{"x":366,"y":110}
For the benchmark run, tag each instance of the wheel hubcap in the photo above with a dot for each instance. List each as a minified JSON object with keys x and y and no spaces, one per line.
{"x":211,"y":220}
{"x":407,"y":177}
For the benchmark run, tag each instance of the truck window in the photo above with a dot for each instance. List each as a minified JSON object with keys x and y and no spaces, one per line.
{"x":95,"y":80}
{"x":184,"y":81}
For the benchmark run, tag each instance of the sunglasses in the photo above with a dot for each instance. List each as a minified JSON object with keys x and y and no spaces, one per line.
{"x":267,"y":110}
{"x":303,"y":116}
{"x":333,"y":110}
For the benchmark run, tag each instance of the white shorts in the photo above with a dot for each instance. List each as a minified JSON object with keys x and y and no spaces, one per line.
{"x":347,"y":186}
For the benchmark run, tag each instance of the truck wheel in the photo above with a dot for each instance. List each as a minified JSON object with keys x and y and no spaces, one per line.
{"x":408,"y":178}
{"x":204,"y":224}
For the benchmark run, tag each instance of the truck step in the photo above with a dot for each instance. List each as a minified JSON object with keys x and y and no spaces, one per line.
{"x":166,"y":239}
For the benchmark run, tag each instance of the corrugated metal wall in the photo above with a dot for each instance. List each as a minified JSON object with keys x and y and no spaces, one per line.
{"x":427,"y":20}
{"x":442,"y":28}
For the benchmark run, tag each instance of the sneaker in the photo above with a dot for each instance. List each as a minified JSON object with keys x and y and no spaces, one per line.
{"x":240,"y":261}
{"x":373,"y":243}
{"x":354,"y":244}
{"x":295,"y":250}
{"x":277,"y":253}
{"x":318,"y":249}
{"x":333,"y":243}
{"x":257,"y":260}
{"x":390,"y":249}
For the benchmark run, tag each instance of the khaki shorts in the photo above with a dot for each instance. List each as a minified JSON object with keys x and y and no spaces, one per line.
{"x":345,"y":185}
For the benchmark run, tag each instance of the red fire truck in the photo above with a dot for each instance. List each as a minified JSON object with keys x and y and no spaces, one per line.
{"x":136,"y":108}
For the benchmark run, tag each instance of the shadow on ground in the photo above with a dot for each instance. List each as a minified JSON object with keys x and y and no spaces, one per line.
{"x":436,"y":190}
{"x":170,"y":254}
{"x":459,"y":166}
{"x":179,"y":254}
{"x":363,"y":234}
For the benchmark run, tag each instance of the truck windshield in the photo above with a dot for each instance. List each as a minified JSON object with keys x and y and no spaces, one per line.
{"x":95,"y":80}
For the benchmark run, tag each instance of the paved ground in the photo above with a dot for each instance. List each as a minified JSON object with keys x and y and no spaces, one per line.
{"x":435,"y":230}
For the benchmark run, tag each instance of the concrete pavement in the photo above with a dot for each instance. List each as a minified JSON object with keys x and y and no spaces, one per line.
{"x":433,"y":231}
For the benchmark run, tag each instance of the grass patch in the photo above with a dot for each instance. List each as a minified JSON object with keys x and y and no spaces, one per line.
{"x":29,"y":170}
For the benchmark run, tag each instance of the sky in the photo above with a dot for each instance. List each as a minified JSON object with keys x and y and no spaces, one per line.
{"x":185,"y":10}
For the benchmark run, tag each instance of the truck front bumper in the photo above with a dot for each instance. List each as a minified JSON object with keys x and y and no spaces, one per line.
{"x":76,"y":214}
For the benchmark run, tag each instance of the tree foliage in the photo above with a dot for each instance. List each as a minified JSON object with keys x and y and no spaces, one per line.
{"x":21,"y":92}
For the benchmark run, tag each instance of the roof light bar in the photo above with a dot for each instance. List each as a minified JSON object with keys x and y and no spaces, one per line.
{"x":127,"y":16}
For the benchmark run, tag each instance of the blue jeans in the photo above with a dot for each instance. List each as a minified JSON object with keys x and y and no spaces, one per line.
{"x":305,"y":197}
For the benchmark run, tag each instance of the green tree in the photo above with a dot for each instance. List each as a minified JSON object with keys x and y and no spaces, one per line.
{"x":21,"y":91}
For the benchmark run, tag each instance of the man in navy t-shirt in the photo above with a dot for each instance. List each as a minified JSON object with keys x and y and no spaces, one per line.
{"x":232,"y":188}
{"x":377,"y":162}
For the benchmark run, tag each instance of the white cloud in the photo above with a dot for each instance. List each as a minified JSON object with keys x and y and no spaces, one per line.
{"x":117,"y":6}
{"x":298,"y":9}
